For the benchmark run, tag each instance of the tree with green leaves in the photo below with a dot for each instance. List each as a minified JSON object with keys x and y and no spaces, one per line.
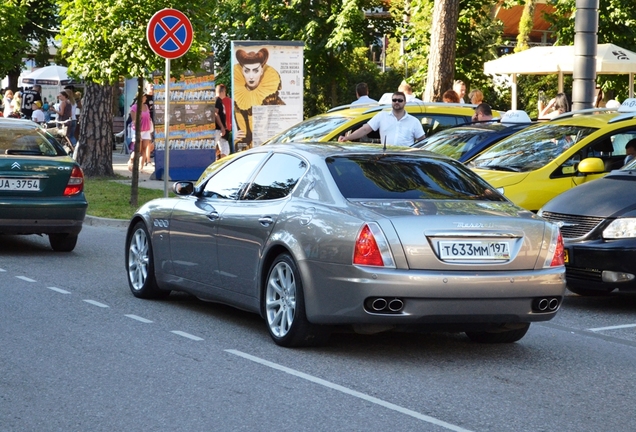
{"x":104,"y":40}
{"x":27,"y":26}
{"x":332,"y":32}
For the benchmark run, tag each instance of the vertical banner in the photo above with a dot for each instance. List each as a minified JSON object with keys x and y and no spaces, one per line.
{"x":267,"y":89}
{"x":192,"y":125}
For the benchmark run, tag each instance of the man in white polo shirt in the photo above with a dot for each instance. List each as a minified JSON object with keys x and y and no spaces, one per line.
{"x":397,"y":127}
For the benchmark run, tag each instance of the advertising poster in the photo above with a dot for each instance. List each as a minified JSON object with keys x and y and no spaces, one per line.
{"x":267,"y":89}
{"x":192,"y":127}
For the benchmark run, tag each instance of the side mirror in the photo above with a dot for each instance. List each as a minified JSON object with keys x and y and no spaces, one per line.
{"x":591,"y":165}
{"x":183,"y":188}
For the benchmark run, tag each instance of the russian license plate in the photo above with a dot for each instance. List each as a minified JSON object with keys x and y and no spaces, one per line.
{"x":473,"y":250}
{"x":19,"y":184}
{"x":566,"y":256}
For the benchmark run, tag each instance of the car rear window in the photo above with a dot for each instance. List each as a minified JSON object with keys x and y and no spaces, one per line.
{"x":27,"y":142}
{"x":407,"y":177}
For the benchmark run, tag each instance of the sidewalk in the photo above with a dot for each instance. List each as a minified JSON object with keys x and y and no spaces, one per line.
{"x":146,"y":176}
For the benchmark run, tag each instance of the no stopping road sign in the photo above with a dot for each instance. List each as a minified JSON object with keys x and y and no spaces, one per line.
{"x":169,"y":33}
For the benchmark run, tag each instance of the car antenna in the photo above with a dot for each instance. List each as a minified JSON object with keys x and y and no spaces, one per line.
{"x":384,"y":149}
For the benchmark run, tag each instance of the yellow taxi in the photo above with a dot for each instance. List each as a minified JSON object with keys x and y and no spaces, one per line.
{"x":342,"y":120}
{"x":538,"y":163}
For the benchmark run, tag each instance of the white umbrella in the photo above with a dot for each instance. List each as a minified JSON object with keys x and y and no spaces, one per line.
{"x":49,"y":75}
{"x":610,"y":59}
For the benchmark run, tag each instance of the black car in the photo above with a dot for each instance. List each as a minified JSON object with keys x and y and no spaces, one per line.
{"x":463,"y":143}
{"x":598,"y":224}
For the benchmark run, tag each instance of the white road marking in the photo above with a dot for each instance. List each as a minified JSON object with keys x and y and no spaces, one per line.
{"x":138,"y":318}
{"x":187,"y":335}
{"x":24,"y":278}
{"x":96,"y":303}
{"x":60,"y":290}
{"x":350,"y":392}
{"x":2,"y":270}
{"x":612,"y":327}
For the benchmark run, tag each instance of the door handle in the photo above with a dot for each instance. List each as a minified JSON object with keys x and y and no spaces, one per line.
{"x":213,"y":216}
{"x":266,"y":221}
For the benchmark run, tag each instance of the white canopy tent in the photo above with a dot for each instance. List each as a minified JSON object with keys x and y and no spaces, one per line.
{"x":547,"y":60}
{"x":51,"y":78}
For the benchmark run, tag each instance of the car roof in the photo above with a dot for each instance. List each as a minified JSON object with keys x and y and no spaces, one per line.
{"x":598,"y":119}
{"x":11,"y":123}
{"x":325,"y":149}
{"x":411,"y":107}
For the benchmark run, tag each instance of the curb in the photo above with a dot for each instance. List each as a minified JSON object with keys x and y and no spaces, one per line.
{"x":100,"y":221}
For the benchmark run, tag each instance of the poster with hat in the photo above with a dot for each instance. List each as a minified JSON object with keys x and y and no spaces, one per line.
{"x":267,"y":89}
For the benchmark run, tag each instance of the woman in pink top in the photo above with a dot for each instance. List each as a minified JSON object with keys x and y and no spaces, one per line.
{"x":146,"y":133}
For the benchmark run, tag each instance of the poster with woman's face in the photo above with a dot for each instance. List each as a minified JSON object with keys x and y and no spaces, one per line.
{"x":267,"y":89}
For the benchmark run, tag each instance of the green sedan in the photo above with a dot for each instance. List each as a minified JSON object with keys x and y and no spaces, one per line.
{"x":41,"y":186}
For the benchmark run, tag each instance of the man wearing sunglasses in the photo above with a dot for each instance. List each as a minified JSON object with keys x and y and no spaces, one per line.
{"x":397,"y":127}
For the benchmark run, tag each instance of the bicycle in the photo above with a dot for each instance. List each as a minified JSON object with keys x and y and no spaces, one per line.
{"x":59,"y":132}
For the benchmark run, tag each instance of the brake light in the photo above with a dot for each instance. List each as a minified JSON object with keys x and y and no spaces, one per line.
{"x":558,"y":257}
{"x":366,"y":250}
{"x":75,"y":184}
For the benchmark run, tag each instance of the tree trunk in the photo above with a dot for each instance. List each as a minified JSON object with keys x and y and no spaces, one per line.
{"x":95,"y":151}
{"x":441,"y":59}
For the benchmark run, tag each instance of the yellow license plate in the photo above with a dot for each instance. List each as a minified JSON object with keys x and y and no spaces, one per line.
{"x":566,"y":256}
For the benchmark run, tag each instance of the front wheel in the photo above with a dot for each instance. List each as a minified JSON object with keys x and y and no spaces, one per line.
{"x":508,"y":333}
{"x":140,"y":266}
{"x":63,"y":242}
{"x":284,"y":306}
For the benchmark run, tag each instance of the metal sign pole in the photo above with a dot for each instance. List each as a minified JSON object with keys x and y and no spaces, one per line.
{"x":166,"y":122}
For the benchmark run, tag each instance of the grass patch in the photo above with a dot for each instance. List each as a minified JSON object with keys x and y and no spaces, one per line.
{"x":108,"y":198}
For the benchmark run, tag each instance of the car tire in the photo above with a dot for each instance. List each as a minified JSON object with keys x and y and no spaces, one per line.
{"x":140,"y":267}
{"x":587,"y":292}
{"x":500,"y":335}
{"x":284,"y":307}
{"x":63,"y":242}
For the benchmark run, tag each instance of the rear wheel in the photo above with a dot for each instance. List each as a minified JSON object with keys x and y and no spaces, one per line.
{"x":284,"y":306}
{"x":508,"y":333}
{"x":140,"y":267}
{"x":63,"y":242}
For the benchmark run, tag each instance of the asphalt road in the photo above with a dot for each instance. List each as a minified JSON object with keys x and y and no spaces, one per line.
{"x":78,"y":352}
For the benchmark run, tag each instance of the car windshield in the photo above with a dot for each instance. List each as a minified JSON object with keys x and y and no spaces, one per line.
{"x":531,"y":148}
{"x":313,"y":129}
{"x":407,"y":177}
{"x":28,"y":142}
{"x":455,"y":143}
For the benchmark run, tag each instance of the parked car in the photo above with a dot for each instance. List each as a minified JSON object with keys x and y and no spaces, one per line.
{"x":538,"y":163}
{"x":321,"y":234}
{"x":463,"y":143}
{"x":41,"y":186}
{"x":348,"y":118}
{"x":598,"y":222}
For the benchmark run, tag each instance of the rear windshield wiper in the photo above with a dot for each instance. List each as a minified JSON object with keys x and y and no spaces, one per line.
{"x":23,"y":152}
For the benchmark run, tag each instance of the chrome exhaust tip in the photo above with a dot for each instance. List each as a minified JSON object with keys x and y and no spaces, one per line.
{"x":543,"y":304}
{"x":378,"y":304}
{"x":553,"y":304}
{"x":396,"y":305}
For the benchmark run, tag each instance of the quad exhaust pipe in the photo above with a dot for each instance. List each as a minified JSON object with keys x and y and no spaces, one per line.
{"x":546,"y":304}
{"x":383,"y":305}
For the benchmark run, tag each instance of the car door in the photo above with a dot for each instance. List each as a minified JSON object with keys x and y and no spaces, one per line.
{"x":246,"y":224}
{"x":194,"y":223}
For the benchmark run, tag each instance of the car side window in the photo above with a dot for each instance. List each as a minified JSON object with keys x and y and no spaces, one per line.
{"x":433,"y":123}
{"x":277,"y":178}
{"x":619,"y":140}
{"x":372,"y":137}
{"x":228,"y":182}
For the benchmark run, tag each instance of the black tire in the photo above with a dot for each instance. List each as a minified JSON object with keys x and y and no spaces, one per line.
{"x":140,"y":267}
{"x":63,"y":242}
{"x":284,"y":307}
{"x":500,"y":335}
{"x":587,"y":292}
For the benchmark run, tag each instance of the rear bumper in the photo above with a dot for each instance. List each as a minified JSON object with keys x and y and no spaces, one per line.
{"x":588,"y":260}
{"x":50,"y":217}
{"x":336,"y":294}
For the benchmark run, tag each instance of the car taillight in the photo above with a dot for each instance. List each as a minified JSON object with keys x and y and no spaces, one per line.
{"x":366,"y":250}
{"x":76,"y":183}
{"x":556,"y":249}
{"x":558,"y":258}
